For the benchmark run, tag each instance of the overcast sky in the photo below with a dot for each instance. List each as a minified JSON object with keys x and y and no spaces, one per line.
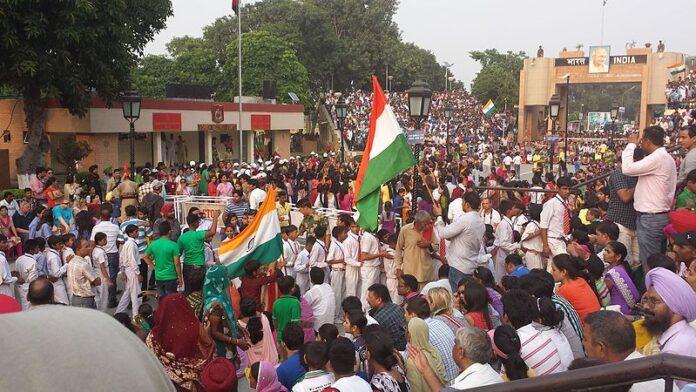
{"x":452,"y":28}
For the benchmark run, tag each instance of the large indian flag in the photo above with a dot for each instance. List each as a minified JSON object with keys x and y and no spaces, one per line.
{"x":386,"y":155}
{"x":259,"y":241}
{"x":677,"y":69}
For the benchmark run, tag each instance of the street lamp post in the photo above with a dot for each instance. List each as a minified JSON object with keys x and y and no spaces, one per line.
{"x":341,"y":113}
{"x":419,"y":96}
{"x":613,"y":113}
{"x":389,"y":82}
{"x":131,"y":102}
{"x":554,"y":108}
{"x":448,"y":116}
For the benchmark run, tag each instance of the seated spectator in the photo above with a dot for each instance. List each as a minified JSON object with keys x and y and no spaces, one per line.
{"x":327,"y":333}
{"x":622,"y":290}
{"x":387,"y":373}
{"x":418,"y":335}
{"x":389,"y":315}
{"x":539,"y":351}
{"x":507,"y":346}
{"x":408,"y":287}
{"x":514,"y":265}
{"x":342,"y":365}
{"x":291,"y":370}
{"x":475,"y":301}
{"x":569,"y":272}
{"x":472,"y":353}
{"x":610,"y":337}
{"x":440,"y":302}
{"x":314,"y":358}
{"x":263,"y":378}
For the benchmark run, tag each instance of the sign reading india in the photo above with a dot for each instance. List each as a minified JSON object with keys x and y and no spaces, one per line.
{"x":613,"y":60}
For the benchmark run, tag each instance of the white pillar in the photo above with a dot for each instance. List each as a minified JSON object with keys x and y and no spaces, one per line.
{"x":157,"y":146}
{"x":208,"y":147}
{"x":250,"y":146}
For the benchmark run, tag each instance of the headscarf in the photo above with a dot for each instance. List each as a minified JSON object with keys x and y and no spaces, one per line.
{"x":267,"y":380}
{"x":179,"y":341}
{"x":419,"y":336}
{"x":167,"y":208}
{"x":675,"y":292}
{"x":216,"y":291}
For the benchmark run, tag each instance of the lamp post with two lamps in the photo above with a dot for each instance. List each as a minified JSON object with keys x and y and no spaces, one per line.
{"x":131,"y":103}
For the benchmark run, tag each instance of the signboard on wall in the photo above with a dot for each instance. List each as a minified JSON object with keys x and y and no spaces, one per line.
{"x":596,"y":120}
{"x":260,"y":121}
{"x":166,"y":122}
{"x":613,"y":60}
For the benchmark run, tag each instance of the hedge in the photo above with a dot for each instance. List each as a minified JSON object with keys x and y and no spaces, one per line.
{"x":18,"y":193}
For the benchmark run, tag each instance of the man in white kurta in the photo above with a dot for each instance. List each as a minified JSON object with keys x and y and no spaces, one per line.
{"x":26,"y":267}
{"x":351,"y":245}
{"x":129,"y":260}
{"x":336,"y":261}
{"x":56,"y":270}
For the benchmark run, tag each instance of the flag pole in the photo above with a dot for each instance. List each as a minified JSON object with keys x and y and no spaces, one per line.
{"x":239,"y":78}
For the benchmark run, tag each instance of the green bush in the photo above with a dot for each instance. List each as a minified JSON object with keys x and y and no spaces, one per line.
{"x":18,"y":193}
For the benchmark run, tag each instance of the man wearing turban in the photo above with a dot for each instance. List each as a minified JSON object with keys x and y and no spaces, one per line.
{"x":670,"y":304}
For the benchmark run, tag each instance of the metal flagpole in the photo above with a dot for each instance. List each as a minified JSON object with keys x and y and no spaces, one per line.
{"x":601,"y":38}
{"x":239,"y":77}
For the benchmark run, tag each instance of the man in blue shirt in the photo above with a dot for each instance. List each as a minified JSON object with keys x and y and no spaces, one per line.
{"x":514,"y":265}
{"x":291,"y":370}
{"x":63,"y":216}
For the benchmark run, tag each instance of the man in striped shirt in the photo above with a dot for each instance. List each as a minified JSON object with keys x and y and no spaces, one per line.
{"x":237,"y":206}
{"x":144,"y":231}
{"x":539,"y":351}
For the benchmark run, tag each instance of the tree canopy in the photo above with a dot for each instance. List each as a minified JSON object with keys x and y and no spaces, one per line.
{"x":339,"y":43}
{"x":499,"y":78}
{"x":70,"y":50}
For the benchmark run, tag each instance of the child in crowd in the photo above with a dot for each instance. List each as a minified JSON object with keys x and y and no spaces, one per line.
{"x":306,"y":315}
{"x":392,"y":282}
{"x":286,"y":309}
{"x":314,"y":356}
{"x":327,"y":333}
{"x":291,"y":370}
{"x":342,"y":366}
{"x":514,"y":265}
{"x":253,"y":280}
{"x":322,"y":299}
{"x":354,"y":323}
{"x":290,"y":248}
{"x":263,"y":347}
{"x":302,"y":264}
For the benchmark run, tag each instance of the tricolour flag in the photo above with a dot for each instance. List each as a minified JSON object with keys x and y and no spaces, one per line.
{"x":235,"y":6}
{"x":488,"y":108}
{"x":677,"y":68}
{"x":386,"y":155}
{"x":259,"y":241}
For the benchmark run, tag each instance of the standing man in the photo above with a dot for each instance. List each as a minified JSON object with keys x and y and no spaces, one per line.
{"x":191,"y":243}
{"x":111,"y":231}
{"x":555,"y":221}
{"x":167,"y":215}
{"x":351,"y":245}
{"x":489,"y":215}
{"x":465,"y":234}
{"x":129,"y":258}
{"x":336,"y":261}
{"x":310,"y":218}
{"x":181,"y":150}
{"x":7,"y":280}
{"x":81,"y":277}
{"x":371,"y":263}
{"x":144,"y":232}
{"x":256,"y":194}
{"x":163,"y":256}
{"x":413,"y":250}
{"x":153,"y":201}
{"x":652,"y":199}
{"x":92,"y":180}
{"x":26,"y":267}
{"x":237,"y":206}
{"x":9,"y":202}
{"x":621,"y":210}
{"x":127,"y":191}
{"x":111,"y":184}
{"x":687,"y":141}
{"x":38,"y":184}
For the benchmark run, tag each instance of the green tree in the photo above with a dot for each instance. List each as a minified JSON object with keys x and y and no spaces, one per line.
{"x":273,"y":59}
{"x":68,"y":50}
{"x":499,"y":78}
{"x":152,"y":75}
{"x":70,"y":152}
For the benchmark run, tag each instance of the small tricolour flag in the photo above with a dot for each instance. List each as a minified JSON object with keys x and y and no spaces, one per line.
{"x":488,"y":108}
{"x":260,"y":240}
{"x":677,"y":68}
{"x":386,"y":155}
{"x":235,"y":6}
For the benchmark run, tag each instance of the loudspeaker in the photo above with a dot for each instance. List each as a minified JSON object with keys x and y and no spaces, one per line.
{"x":269,"y":89}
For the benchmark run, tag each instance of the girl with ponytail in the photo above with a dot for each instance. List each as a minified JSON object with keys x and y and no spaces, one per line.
{"x":551,"y":319}
{"x":571,"y":274}
{"x":506,"y":347}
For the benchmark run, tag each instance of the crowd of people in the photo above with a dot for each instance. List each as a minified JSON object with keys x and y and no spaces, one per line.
{"x":682,"y":89}
{"x":463,"y":285}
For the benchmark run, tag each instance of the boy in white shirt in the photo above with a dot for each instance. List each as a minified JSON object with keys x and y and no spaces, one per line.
{"x":290,"y":248}
{"x":336,"y":261}
{"x":316,"y":378}
{"x":301,"y":266}
{"x":342,"y":365}
{"x":322,"y":299}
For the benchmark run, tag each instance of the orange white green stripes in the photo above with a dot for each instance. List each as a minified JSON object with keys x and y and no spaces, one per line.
{"x":386,"y":155}
{"x":260,"y":240}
